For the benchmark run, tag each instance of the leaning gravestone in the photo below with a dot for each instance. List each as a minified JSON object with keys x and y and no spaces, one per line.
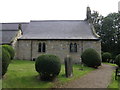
{"x":68,"y":67}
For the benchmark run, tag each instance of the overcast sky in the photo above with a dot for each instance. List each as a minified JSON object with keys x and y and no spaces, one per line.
{"x":26,"y":10}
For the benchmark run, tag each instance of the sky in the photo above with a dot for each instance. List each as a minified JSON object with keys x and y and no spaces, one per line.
{"x":26,"y":10}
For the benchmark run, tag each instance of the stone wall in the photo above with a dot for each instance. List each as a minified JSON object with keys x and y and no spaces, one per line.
{"x":24,"y":50}
{"x":28,"y":49}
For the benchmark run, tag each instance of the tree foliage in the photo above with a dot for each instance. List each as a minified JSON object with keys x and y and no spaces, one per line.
{"x":106,"y":57}
{"x":10,"y":50}
{"x":117,"y":59}
{"x":5,"y":57}
{"x":91,"y":58}
{"x":109,"y":30}
{"x":48,"y":66}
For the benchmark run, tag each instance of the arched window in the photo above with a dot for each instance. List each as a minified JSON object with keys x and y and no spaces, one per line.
{"x":71,"y":47}
{"x":75,"y":47}
{"x":39,"y":47}
{"x":44,"y":47}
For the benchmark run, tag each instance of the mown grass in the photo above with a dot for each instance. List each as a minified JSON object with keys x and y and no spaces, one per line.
{"x":77,"y":73}
{"x":114,"y":83}
{"x":110,"y":64}
{"x":0,"y":84}
{"x":22,"y":74}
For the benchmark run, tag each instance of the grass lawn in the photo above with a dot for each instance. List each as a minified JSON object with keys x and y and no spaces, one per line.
{"x":110,"y":64}
{"x":0,"y":84}
{"x":22,"y":74}
{"x":114,"y":83}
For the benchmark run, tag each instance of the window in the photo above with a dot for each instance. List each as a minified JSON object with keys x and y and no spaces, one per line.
{"x":44,"y":47}
{"x":73,"y":47}
{"x":41,"y":47}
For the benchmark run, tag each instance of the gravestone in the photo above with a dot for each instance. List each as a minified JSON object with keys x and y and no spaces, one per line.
{"x":68,"y":67}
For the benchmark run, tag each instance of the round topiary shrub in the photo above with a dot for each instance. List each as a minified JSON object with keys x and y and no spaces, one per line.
{"x":106,"y":57}
{"x":48,"y":66}
{"x":10,"y":50}
{"x":91,"y":58}
{"x":117,"y":59}
{"x":5,"y":56}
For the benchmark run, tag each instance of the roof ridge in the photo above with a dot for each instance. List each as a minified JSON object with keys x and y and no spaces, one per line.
{"x":54,"y":20}
{"x":16,"y":23}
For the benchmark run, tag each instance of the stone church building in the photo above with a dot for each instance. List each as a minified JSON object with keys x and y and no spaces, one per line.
{"x":59,"y":37}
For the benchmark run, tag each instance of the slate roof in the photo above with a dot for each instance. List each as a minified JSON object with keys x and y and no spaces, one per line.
{"x":59,"y":29}
{"x":8,"y":31}
{"x":7,"y":36}
{"x":14,"y":26}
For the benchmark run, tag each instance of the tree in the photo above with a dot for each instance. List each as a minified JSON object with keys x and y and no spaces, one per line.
{"x":109,"y":30}
{"x":110,"y":33}
{"x":97,"y":21}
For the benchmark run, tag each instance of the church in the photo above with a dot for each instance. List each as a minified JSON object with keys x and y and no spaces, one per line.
{"x":59,"y":37}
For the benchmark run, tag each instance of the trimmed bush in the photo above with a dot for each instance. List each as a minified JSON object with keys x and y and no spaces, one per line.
{"x":48,"y":66}
{"x":106,"y":57}
{"x":10,"y":50}
{"x":91,"y":58}
{"x":5,"y":56}
{"x":117,"y":59}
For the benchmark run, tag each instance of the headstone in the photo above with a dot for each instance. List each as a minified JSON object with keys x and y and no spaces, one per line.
{"x":68,"y":67}
{"x":81,"y":66}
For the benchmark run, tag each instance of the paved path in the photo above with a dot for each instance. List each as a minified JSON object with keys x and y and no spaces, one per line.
{"x":99,"y":78}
